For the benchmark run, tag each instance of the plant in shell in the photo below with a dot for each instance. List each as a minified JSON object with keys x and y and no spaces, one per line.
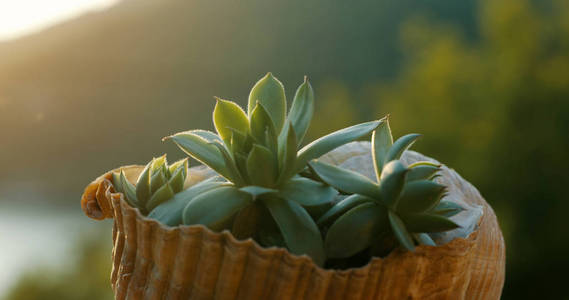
{"x":404,"y":204}
{"x":257,"y":152}
{"x":156,"y":184}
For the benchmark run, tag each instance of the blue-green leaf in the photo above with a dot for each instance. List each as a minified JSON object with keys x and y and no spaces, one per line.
{"x":164,"y":193}
{"x":300,"y":233}
{"x":343,"y":206}
{"x":270,"y":92}
{"x":143,"y":190}
{"x":447,"y":209}
{"x":400,"y":231}
{"x":427,"y":223}
{"x":400,"y":145}
{"x":170,"y":212}
{"x":381,"y":141}
{"x":302,"y":109}
{"x":345,"y":180}
{"x":392,"y":181}
{"x":355,"y":230}
{"x":331,"y":141}
{"x":419,"y":196}
{"x":307,"y":192}
{"x":232,"y":170}
{"x":261,"y":167}
{"x":257,"y":191}
{"x":206,"y":134}
{"x":202,"y":150}
{"x":287,"y":153}
{"x":424,"y":239}
{"x":421,"y":172}
{"x":129,"y":191}
{"x":215,"y":208}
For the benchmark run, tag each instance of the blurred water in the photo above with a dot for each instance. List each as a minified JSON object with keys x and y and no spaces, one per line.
{"x":36,"y":235}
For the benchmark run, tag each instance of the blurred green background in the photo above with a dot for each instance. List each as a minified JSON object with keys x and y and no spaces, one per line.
{"x":486,"y":82}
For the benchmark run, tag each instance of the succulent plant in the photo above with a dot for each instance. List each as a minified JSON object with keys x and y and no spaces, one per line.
{"x":404,"y":203}
{"x":156,"y":184}
{"x":258,"y":154}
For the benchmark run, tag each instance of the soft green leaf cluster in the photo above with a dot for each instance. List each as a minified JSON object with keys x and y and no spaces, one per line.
{"x":405,"y":203}
{"x":276,"y":192}
{"x":258,"y":152}
{"x":156,"y":184}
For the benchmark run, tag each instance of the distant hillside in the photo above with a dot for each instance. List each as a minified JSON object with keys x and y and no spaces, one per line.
{"x":101,"y":90}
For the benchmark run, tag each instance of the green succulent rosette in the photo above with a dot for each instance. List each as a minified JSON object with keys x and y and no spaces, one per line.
{"x":403,"y":204}
{"x":258,"y":153}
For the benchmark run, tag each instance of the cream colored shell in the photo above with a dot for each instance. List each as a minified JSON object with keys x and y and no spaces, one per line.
{"x":153,"y":261}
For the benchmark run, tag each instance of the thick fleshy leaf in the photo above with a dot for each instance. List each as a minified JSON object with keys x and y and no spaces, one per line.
{"x":419,"y":196}
{"x":355,"y":230}
{"x":302,"y":109}
{"x":345,"y":180}
{"x":158,"y":165}
{"x":261,"y":166}
{"x":400,"y":231}
{"x":447,"y":209}
{"x":216,"y":207}
{"x":234,"y":175}
{"x":342,"y":207}
{"x":427,"y":223}
{"x":424,"y":163}
{"x":331,"y":141}
{"x":287,"y":153}
{"x":143,"y":191}
{"x":400,"y":145}
{"x":157,"y":180}
{"x":129,"y":191}
{"x":182,"y":164}
{"x":257,"y":191}
{"x":177,"y":180}
{"x":206,"y":134}
{"x":271,"y":140}
{"x":381,"y":141}
{"x":201,"y":149}
{"x":424,"y":239}
{"x":392,"y":181}
{"x":270,"y":92}
{"x":226,"y":115}
{"x":116,"y":178}
{"x":238,"y":142}
{"x":170,"y":212}
{"x":300,"y":233}
{"x":164,"y":193}
{"x":261,"y":122}
{"x":307,"y":192}
{"x":241,"y":162}
{"x":421,"y":172}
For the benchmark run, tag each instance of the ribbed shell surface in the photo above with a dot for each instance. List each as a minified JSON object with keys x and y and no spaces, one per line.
{"x":153,"y":261}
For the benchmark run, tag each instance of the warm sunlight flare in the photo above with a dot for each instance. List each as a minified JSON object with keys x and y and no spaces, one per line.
{"x":21,"y":17}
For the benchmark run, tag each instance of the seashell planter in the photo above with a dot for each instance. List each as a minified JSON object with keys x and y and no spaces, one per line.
{"x":154,"y":261}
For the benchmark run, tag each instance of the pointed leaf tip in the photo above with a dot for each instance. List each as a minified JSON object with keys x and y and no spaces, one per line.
{"x":270,"y":92}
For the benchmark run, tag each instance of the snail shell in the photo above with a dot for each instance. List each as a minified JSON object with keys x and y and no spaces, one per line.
{"x":153,"y":261}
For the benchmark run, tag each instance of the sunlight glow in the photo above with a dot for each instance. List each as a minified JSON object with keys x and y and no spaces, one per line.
{"x":21,"y":17}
